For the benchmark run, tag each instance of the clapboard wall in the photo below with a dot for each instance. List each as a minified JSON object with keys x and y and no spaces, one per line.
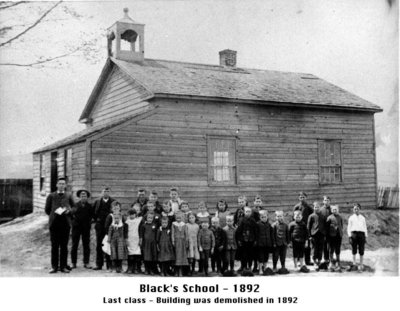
{"x":277,"y":153}
{"x":121,"y":96}
{"x":77,"y":179}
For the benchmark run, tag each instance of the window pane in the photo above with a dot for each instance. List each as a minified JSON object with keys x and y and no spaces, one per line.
{"x":222,"y":162}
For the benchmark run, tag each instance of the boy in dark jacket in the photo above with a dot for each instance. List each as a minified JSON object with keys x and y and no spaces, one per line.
{"x":206,"y":243}
{"x":281,"y":240}
{"x":264,"y":240}
{"x":334,"y":234}
{"x":316,"y":231}
{"x":298,"y":236}
{"x":246,"y":234}
{"x":217,"y":257}
{"x":230,"y":246}
{"x":306,"y":211}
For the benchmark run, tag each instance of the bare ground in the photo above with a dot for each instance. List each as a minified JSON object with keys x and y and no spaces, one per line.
{"x":25,"y":248}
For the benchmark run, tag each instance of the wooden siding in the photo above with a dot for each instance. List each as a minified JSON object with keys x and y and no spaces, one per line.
{"x":119,"y":98}
{"x":77,"y":181}
{"x":277,"y":154}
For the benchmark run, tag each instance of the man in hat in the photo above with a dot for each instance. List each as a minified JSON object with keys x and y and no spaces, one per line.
{"x":102,"y":208}
{"x":58,"y":207}
{"x":306,"y":210}
{"x":82,"y":215}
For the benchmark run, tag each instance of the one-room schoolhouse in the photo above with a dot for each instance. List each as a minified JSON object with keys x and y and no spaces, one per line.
{"x":214,"y":132}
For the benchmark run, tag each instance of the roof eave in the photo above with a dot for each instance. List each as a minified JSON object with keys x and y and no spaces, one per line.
{"x":271,"y":103}
{"x":95,"y":92}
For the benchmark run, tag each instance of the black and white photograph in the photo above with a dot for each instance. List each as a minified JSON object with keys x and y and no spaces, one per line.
{"x":154,"y":140}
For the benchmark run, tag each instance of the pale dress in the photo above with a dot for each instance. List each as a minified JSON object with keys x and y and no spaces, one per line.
{"x":193,"y":230}
{"x":133,"y":236}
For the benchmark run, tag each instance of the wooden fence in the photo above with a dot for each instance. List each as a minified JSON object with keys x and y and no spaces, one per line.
{"x":15,"y":197}
{"x":388,"y":197}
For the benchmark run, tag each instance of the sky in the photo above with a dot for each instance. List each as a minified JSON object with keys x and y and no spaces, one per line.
{"x":350,"y":43}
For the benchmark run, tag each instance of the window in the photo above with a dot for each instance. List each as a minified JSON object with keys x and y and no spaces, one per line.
{"x":222,"y":161}
{"x":42,"y":171}
{"x":330,"y":161}
{"x":68,"y":165}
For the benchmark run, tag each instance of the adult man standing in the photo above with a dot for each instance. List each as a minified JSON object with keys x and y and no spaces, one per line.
{"x":82,"y":215}
{"x":102,"y":208}
{"x":58,"y":207}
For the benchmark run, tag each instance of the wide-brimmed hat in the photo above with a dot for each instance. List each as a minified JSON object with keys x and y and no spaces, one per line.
{"x":78,"y":193}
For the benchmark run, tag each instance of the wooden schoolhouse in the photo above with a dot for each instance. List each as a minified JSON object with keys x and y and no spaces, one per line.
{"x":213,"y":131}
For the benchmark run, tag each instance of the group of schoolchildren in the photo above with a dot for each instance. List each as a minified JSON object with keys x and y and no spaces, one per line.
{"x":170,"y":239}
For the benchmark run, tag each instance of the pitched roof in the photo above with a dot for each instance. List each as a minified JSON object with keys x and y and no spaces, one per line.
{"x":179,"y":78}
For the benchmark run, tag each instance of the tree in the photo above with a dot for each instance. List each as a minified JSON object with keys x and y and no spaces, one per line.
{"x":28,"y":38}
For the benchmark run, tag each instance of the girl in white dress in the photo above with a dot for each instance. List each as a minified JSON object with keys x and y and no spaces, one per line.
{"x":134,"y":253}
{"x":193,"y":253}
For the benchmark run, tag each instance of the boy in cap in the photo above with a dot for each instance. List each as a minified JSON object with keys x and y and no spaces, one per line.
{"x":102,"y":208}
{"x":82,"y":214}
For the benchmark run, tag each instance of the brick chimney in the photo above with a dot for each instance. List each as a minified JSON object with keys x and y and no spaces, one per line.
{"x":227,"y":58}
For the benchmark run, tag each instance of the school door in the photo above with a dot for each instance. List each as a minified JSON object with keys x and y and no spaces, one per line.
{"x":54,"y":172}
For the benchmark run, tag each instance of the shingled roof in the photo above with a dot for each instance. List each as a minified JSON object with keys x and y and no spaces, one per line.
{"x":171,"y":78}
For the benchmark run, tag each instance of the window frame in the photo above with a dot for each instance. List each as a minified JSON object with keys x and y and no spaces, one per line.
{"x":210,"y":171}
{"x":42,"y":171}
{"x":320,"y":166}
{"x":68,"y":177}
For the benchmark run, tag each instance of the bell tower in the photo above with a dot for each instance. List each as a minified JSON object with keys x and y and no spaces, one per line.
{"x":125,"y":39}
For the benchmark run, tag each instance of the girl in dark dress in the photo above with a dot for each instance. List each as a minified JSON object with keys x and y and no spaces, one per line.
{"x":148,"y":234}
{"x":166,"y":254}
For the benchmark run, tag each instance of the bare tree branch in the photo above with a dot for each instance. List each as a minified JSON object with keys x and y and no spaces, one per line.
{"x":11,"y":4}
{"x":32,"y":26}
{"x":40,"y":62}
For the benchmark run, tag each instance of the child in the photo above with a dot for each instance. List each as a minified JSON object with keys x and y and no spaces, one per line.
{"x":257,"y":208}
{"x":134,"y":253}
{"x":151,"y":209}
{"x":184,"y":208}
{"x":217,"y":257}
{"x":148,"y":241}
{"x":175,"y":201}
{"x":264,"y":240}
{"x":306,"y":211}
{"x":246,"y":234}
{"x":153,"y":197}
{"x":222,"y":212}
{"x":230,"y":246}
{"x":137,"y":208}
{"x":206,"y":242}
{"x":115,"y":209}
{"x":334,"y":228}
{"x":193,"y":253}
{"x":326,"y":211}
{"x":167,"y":212}
{"x":180,"y":240}
{"x":298,"y":236}
{"x":203,"y":214}
{"x":357,"y":232}
{"x":281,"y":241}
{"x":239,"y":214}
{"x":117,"y":233}
{"x":316,"y":231}
{"x":166,"y":254}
